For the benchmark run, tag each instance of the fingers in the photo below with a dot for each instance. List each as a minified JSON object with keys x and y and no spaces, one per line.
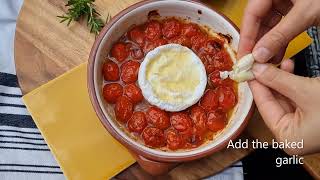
{"x":254,"y":13}
{"x":287,"y":84}
{"x":278,"y":37}
{"x":287,"y":65}
{"x":268,"y":106}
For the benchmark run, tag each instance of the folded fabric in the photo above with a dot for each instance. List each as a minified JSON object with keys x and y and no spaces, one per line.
{"x":63,"y":113}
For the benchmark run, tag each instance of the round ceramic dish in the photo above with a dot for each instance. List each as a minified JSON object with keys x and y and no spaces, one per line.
{"x":138,"y":14}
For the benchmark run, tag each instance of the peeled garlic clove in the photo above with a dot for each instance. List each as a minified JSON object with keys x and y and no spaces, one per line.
{"x":245,"y":63}
{"x":224,"y":74}
{"x":242,"y":76}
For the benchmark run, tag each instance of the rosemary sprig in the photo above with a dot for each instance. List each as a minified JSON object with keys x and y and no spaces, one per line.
{"x":84,"y":8}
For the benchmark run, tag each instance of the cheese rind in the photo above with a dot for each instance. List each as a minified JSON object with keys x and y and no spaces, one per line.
{"x":172,"y":77}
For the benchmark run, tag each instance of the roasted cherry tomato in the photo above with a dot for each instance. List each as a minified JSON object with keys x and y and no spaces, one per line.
{"x":198,"y":41}
{"x":190,"y":30}
{"x":213,"y":46}
{"x":182,"y":123}
{"x":129,"y":71}
{"x":120,"y":52}
{"x":137,"y":122}
{"x":158,"y":118}
{"x":110,"y":71}
{"x":112,"y":91}
{"x":171,"y":28}
{"x":209,"y":100}
{"x":150,"y":45}
{"x":221,"y":61}
{"x":214,"y":80}
{"x":217,"y":120}
{"x":136,"y":35}
{"x":123,"y":109}
{"x":133,"y":92}
{"x":174,"y":140}
{"x":199,"y":118}
{"x":184,"y":41}
{"x":153,"y":137}
{"x":227,"y":97}
{"x":153,"y":30}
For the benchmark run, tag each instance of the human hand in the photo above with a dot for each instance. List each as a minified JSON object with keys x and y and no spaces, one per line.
{"x":266,"y":34}
{"x":288,"y":104}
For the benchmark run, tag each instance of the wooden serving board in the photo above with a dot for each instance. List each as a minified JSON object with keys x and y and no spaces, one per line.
{"x":45,"y":49}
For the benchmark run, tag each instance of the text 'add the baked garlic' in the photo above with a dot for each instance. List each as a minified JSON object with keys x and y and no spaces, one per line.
{"x":172,"y":77}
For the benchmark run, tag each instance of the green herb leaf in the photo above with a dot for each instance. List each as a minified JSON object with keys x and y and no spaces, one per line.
{"x":84,"y":8}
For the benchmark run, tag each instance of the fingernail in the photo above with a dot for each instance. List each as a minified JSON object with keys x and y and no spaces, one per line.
{"x":262,"y":54}
{"x":259,"y":68}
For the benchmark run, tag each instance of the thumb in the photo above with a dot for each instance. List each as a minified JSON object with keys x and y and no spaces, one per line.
{"x":292,"y":86}
{"x":279,"y":36}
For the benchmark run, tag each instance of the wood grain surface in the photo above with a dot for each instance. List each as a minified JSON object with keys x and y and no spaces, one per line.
{"x":45,"y":49}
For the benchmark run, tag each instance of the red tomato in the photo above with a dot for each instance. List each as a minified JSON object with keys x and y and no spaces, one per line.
{"x":181,"y":122}
{"x":153,"y":30}
{"x":220,"y":60}
{"x":190,"y":30}
{"x":111,"y":92}
{"x":216,"y":120}
{"x":153,"y":137}
{"x":214,"y":80}
{"x":110,"y":71}
{"x":137,"y":122}
{"x":120,"y":52}
{"x":129,"y":71}
{"x":184,"y":41}
{"x":198,"y":41}
{"x":158,"y":117}
{"x":213,"y":46}
{"x":174,"y":140}
{"x":148,"y":46}
{"x":123,"y":109}
{"x":199,"y":118}
{"x":136,"y":35}
{"x":209,"y":100}
{"x":133,"y":92}
{"x":171,"y":28}
{"x":227,"y":97}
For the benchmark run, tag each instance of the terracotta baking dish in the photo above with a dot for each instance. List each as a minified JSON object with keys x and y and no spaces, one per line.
{"x":152,"y":160}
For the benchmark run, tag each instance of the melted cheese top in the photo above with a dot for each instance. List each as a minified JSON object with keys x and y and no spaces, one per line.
{"x":172,"y":77}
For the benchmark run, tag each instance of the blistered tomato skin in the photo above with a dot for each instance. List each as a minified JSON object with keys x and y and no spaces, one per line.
{"x":216,"y":120}
{"x":136,"y":35}
{"x":137,"y":122}
{"x":181,"y":122}
{"x":158,"y":118}
{"x":150,"y":45}
{"x":227,"y":97}
{"x":209,"y":100}
{"x":129,"y":71}
{"x":215,"y":80}
{"x":133,"y":92}
{"x":111,"y":92}
{"x":110,"y":71}
{"x":123,"y":109}
{"x":190,"y":30}
{"x":153,"y":30}
{"x":171,"y":28}
{"x":153,"y":137}
{"x":120,"y":52}
{"x":174,"y":140}
{"x":199,"y":118}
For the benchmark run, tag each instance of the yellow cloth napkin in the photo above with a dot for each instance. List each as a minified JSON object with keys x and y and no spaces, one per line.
{"x":63,"y":113}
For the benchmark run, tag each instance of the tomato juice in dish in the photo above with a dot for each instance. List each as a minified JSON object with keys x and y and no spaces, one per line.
{"x":149,"y":124}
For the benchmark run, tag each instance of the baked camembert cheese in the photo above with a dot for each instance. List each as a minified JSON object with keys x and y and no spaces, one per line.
{"x":172,"y":77}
